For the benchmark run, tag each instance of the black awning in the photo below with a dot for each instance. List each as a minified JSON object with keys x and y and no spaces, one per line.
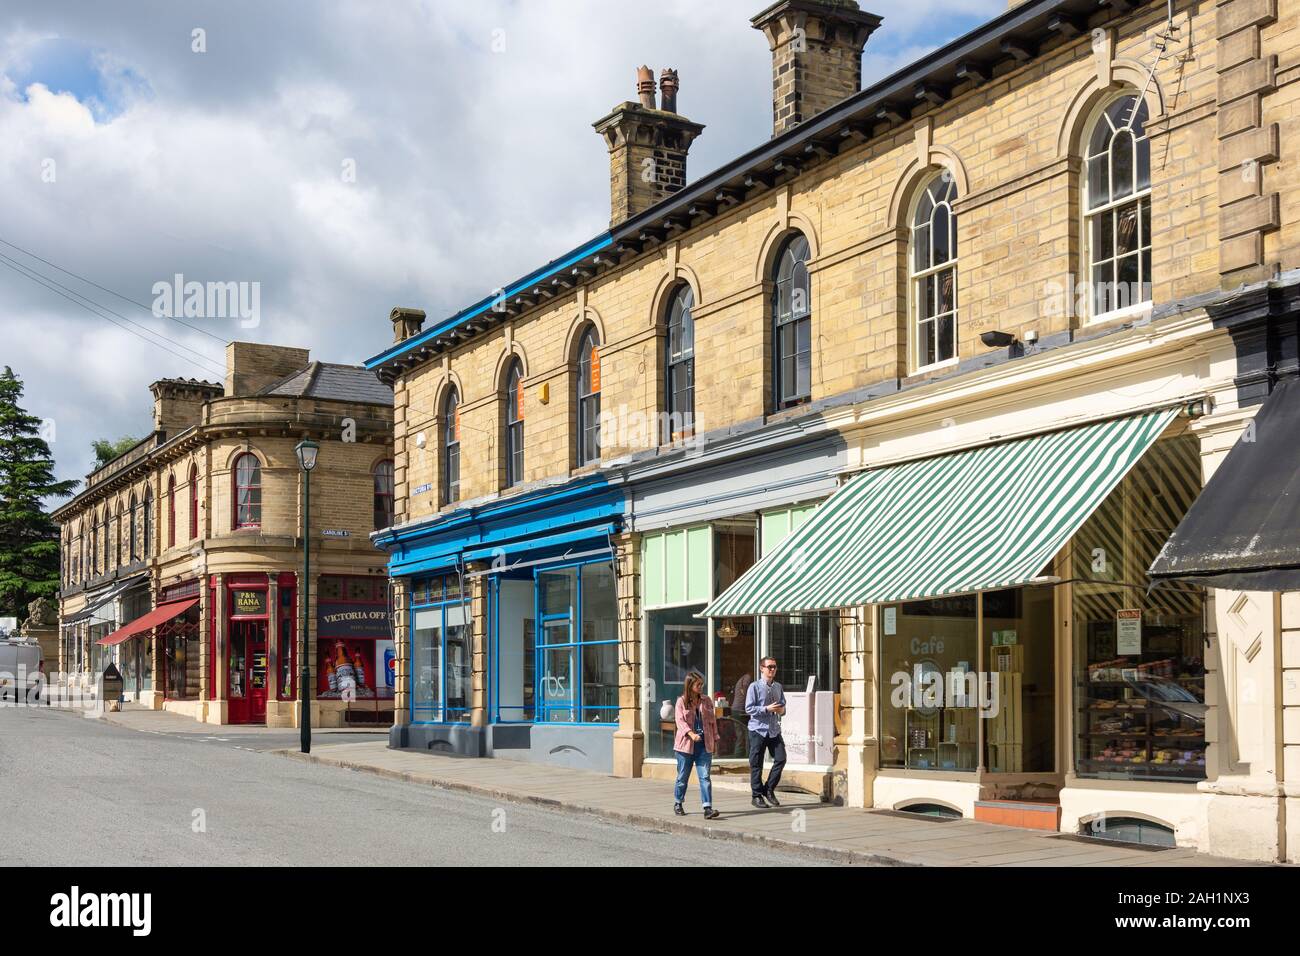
{"x":1243,"y":532}
{"x":96,"y":601}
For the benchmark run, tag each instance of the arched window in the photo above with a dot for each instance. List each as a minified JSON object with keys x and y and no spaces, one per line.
{"x":133,"y":550}
{"x":111,"y":557}
{"x":383,"y":495}
{"x":194,"y":502}
{"x":514,"y":420}
{"x":123,"y":534}
{"x":75,"y":571}
{"x":1117,"y":207}
{"x":96,"y":540}
{"x":148,"y":520}
{"x":588,"y":398}
{"x":171,"y":511}
{"x":933,"y":267}
{"x":792,"y":326}
{"x":679,"y":361}
{"x":451,"y":447}
{"x":248,"y":492}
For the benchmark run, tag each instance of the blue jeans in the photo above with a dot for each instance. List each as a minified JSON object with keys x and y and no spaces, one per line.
{"x":702,"y":761}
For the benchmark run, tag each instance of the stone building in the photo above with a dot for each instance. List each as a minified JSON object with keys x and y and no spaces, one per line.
{"x":183,"y":557}
{"x":910,"y":397}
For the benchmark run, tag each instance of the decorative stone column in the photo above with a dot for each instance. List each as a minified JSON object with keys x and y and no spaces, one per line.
{"x":855,"y":735}
{"x":401,"y":591}
{"x":629,"y":739}
{"x":477,"y":587}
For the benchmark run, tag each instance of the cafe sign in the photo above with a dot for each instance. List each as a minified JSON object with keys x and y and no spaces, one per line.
{"x":248,"y":603}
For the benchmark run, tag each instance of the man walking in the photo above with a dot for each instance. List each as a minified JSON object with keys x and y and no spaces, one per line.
{"x":765,"y":703}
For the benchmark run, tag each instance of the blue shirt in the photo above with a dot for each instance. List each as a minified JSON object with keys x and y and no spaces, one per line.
{"x":757,"y":698}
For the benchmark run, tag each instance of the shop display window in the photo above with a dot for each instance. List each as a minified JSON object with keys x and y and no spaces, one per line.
{"x":806,"y":645}
{"x":578,"y":649}
{"x":1139,"y":658}
{"x":927,"y":649}
{"x":678,"y":644}
{"x":1020,"y":661}
{"x":354,"y":648}
{"x":961,"y":669}
{"x":179,"y":644}
{"x":440,"y":659}
{"x":515,"y":633}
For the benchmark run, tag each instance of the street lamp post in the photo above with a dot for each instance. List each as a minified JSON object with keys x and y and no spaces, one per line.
{"x":306,"y":450}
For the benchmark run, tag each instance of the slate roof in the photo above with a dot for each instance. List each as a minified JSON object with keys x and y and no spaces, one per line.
{"x":344,"y":383}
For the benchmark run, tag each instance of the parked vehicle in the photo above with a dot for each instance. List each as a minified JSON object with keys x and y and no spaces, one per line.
{"x":21,"y":666}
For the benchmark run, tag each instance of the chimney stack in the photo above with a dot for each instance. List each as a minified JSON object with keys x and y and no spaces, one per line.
{"x":816,"y":55}
{"x":406,"y":322}
{"x":647,"y":146}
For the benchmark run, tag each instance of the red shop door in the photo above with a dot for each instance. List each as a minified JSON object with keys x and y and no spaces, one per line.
{"x":248,"y":672}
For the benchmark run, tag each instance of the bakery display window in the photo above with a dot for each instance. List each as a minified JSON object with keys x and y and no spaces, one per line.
{"x":1139,"y":658}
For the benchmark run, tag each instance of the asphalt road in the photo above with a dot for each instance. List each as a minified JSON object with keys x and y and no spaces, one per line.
{"x":81,"y":792}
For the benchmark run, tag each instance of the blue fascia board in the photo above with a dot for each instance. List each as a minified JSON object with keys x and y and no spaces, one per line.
{"x":590,"y":491}
{"x":598,"y":533}
{"x":582,"y":509}
{"x":478,"y":308}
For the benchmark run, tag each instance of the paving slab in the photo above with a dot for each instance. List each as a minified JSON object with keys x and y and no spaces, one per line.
{"x":843,"y":834}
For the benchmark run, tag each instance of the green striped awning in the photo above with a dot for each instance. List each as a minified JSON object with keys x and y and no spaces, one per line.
{"x":975,"y":520}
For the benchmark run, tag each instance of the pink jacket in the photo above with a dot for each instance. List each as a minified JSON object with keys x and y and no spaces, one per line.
{"x":686,"y":723}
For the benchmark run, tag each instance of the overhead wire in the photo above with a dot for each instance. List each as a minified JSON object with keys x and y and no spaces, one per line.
{"x":75,"y":275}
{"x":206,"y":365}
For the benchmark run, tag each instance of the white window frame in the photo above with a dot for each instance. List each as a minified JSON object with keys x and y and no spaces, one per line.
{"x":1087,"y":216}
{"x":916,"y":279}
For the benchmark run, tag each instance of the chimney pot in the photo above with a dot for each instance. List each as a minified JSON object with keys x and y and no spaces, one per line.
{"x":668,"y":86}
{"x":645,"y":87}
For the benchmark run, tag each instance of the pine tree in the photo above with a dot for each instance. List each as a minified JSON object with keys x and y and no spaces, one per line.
{"x":29,"y":539}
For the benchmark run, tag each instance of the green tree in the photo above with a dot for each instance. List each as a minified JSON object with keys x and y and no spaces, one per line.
{"x":106,"y":451}
{"x":29,"y":539}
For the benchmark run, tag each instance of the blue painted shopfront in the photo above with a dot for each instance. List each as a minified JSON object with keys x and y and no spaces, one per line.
{"x":546,"y":563}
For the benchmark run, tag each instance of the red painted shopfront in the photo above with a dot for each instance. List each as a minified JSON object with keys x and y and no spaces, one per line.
{"x":259,"y":644}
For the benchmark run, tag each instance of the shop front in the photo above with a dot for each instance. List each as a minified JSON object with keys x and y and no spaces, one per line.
{"x":556,"y":656}
{"x":701,"y":530}
{"x":355,"y":655}
{"x":1019,"y":661}
{"x":104,"y":611}
{"x":247,"y":648}
{"x":509,"y":636}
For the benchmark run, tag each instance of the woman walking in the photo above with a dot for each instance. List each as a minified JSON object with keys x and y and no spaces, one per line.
{"x":696,"y":740}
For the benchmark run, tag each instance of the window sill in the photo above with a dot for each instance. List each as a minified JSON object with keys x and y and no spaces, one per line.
{"x":1129,"y":314}
{"x":926,"y":369}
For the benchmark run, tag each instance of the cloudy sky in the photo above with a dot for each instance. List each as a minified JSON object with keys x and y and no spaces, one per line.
{"x":131,"y":156}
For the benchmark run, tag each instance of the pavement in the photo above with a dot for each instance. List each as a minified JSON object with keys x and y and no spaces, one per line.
{"x":802,"y":823}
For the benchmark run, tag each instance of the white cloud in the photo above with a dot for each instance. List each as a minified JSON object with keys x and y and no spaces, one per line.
{"x":473,"y":166}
